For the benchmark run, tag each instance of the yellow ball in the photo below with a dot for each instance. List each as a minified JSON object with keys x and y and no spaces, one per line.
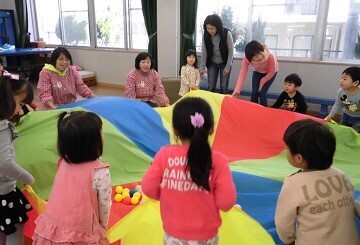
{"x":126,"y":190}
{"x":125,"y":194}
{"x":134,"y":200}
{"x":119,"y":189}
{"x":118,"y":198}
{"x":137,"y":194}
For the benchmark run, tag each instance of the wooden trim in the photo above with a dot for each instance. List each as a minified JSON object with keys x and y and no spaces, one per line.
{"x":89,"y":81}
{"x":111,"y":85}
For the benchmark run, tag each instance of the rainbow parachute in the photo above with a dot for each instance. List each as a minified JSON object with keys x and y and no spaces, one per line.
{"x":248,"y":134}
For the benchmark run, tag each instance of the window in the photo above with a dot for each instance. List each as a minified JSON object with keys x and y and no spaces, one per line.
{"x":344,"y":27}
{"x":271,"y":41}
{"x":47,"y":13}
{"x":327,"y":47}
{"x":266,"y":20}
{"x":73,"y":26}
{"x":302,"y":7}
{"x":236,"y":12}
{"x":110,"y":26}
{"x":291,"y":28}
{"x":301,"y":46}
{"x":94,"y":23}
{"x":138,"y":38}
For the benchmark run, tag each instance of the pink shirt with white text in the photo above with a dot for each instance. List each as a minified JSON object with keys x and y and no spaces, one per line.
{"x":188,"y":211}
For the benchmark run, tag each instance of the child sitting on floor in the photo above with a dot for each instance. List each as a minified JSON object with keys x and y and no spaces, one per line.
{"x":291,"y":98}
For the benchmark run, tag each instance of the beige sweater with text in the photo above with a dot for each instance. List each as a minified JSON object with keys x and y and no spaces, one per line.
{"x":317,"y":207}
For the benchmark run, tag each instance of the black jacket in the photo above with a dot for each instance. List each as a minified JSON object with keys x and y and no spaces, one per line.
{"x":222,"y":46}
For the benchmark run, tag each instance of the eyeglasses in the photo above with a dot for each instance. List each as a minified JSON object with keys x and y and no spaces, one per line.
{"x":63,"y":60}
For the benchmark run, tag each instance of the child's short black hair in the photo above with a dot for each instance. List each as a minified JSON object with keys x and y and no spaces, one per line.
{"x":313,"y":140}
{"x":294,"y":78}
{"x":143,"y":56}
{"x":190,"y":52}
{"x":1,"y":61}
{"x":353,"y":72}
{"x":79,"y":136}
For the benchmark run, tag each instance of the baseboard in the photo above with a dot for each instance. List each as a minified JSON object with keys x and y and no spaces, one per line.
{"x":111,"y":85}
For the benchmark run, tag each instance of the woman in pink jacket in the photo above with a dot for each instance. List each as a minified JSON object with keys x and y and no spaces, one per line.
{"x":265,"y":67}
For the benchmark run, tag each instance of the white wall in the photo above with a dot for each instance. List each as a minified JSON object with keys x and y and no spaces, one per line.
{"x":319,"y":78}
{"x":110,"y":66}
{"x":7,"y":4}
{"x":168,"y":23}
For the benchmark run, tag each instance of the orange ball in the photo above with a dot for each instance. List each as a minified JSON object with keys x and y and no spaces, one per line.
{"x":126,"y":190}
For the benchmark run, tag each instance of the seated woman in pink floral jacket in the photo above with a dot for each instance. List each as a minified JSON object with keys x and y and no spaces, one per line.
{"x":143,"y":83}
{"x":59,"y":82}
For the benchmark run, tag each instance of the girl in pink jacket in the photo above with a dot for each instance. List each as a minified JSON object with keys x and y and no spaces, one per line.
{"x":191,"y":181}
{"x":79,"y":204}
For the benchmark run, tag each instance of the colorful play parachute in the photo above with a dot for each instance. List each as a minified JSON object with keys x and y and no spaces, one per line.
{"x":248,"y":134}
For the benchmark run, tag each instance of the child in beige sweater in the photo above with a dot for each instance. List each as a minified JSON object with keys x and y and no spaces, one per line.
{"x":316,"y":205}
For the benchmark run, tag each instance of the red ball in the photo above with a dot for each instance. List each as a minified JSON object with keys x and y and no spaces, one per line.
{"x":126,"y":200}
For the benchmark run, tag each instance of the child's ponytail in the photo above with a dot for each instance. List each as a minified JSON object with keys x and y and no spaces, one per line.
{"x":193,"y":121}
{"x":199,"y":158}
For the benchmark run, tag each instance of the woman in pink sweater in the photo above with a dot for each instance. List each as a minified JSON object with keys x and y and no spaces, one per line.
{"x":265,"y":67}
{"x":59,"y":82}
{"x":191,"y":181}
{"x":143,"y":83}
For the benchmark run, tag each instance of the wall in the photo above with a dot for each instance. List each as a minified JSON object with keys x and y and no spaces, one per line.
{"x":7,"y":4}
{"x":319,"y":79}
{"x":168,"y":22}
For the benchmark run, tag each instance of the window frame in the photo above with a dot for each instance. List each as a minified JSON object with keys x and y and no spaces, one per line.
{"x":318,"y":40}
{"x":92,"y":27}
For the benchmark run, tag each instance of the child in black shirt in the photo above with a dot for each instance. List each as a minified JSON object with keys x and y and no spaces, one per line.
{"x":291,"y":98}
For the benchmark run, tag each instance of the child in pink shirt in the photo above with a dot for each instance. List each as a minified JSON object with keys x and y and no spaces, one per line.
{"x":265,"y":67}
{"x":191,"y":181}
{"x":79,"y":204}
